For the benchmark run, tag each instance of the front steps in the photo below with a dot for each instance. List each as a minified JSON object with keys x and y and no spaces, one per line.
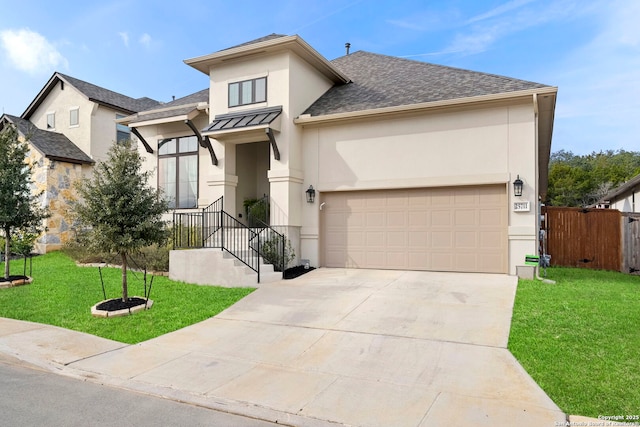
{"x":213,"y":266}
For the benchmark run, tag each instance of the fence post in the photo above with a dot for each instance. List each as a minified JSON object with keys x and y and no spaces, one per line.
{"x":204,"y":222}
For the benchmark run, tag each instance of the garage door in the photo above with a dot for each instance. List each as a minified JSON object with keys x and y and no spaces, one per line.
{"x":438,"y":229}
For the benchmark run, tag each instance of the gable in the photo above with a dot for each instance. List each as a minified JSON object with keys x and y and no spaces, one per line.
{"x":93,"y":93}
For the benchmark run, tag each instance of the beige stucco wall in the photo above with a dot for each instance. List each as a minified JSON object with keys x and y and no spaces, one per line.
{"x":61,"y":102}
{"x":96,"y":129}
{"x":291,"y":83}
{"x":486,"y":145}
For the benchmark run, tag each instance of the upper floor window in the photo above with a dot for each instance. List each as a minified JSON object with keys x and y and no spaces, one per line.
{"x":248,"y":92}
{"x":123,"y":132}
{"x":178,"y":171}
{"x":74,"y":116}
{"x":51,"y":120}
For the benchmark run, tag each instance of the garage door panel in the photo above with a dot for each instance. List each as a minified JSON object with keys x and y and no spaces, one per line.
{"x":396,"y":219}
{"x":465,"y":217}
{"x":491,"y":240}
{"x":397,"y":239}
{"x":490,"y":217}
{"x":441,"y":218}
{"x":441,"y":239}
{"x":441,"y":229}
{"x":466,"y":239}
{"x":375,"y":219}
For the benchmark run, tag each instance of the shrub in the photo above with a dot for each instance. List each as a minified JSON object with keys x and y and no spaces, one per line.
{"x":272,"y":252}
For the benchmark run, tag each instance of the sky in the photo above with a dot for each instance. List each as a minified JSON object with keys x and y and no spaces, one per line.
{"x":589,"y":49}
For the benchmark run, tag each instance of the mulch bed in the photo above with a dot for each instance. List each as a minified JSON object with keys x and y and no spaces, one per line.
{"x":14,"y":281}
{"x":13,"y":278}
{"x":117,"y":304}
{"x":293,"y":272}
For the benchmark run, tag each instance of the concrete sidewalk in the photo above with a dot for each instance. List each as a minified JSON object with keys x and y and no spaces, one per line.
{"x":335,"y":346}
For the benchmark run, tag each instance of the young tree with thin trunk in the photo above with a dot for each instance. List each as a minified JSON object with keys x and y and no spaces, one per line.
{"x":123,"y":213}
{"x":20,"y":208}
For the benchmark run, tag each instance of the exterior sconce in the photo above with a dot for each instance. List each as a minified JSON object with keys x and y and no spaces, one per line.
{"x":52,"y":164}
{"x":517,"y":187}
{"x":311,"y":194}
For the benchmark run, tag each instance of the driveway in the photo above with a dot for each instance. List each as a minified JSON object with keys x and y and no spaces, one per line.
{"x":355,"y":347}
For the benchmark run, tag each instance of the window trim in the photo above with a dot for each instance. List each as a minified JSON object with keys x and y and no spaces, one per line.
{"x":77,"y":110}
{"x":51,"y":114}
{"x":253,"y":100}
{"x":118,"y":117}
{"x":176,"y":156}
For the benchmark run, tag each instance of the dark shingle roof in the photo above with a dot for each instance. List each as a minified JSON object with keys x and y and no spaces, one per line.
{"x":259,"y":40}
{"x":109,"y":97}
{"x":97,"y":94}
{"x":380,"y":81}
{"x":52,"y":145}
{"x":178,"y":107}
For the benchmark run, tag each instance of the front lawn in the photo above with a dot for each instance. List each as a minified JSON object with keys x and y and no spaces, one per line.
{"x":580,"y":339}
{"x":62,"y":295}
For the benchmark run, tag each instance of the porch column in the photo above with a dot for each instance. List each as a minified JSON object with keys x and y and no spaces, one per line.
{"x":286,"y":203}
{"x":222,"y":179}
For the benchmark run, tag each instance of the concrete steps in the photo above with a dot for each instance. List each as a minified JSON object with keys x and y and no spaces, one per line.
{"x":213,"y":266}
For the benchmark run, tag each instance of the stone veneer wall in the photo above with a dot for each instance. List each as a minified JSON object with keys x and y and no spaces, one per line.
{"x":55,"y":181}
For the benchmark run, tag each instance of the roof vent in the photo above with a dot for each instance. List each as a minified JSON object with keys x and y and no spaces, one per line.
{"x":347,"y":46}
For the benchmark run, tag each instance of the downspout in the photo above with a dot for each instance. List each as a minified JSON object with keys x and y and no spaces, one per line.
{"x":538,"y":205}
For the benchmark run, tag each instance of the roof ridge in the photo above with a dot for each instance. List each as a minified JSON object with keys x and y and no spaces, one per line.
{"x":450,"y":67}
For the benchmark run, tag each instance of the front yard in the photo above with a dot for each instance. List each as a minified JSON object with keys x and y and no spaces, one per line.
{"x":580,"y":339}
{"x":62,"y":295}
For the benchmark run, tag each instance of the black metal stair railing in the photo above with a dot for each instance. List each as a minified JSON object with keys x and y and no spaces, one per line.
{"x":213,"y":227}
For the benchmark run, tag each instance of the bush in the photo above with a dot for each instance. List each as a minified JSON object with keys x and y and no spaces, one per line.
{"x":272,"y":252}
{"x":153,"y":258}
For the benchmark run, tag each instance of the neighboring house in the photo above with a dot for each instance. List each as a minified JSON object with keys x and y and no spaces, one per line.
{"x":413,"y":163}
{"x":70,"y":125}
{"x":625,"y":198}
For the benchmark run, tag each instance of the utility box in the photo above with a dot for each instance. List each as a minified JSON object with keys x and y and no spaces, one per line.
{"x":528,"y":272}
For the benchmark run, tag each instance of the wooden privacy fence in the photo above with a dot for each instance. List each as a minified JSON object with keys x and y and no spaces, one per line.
{"x":593,"y":238}
{"x":631,"y":242}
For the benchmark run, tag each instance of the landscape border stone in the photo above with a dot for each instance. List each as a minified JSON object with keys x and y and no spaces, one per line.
{"x":16,"y":282}
{"x":119,"y":313}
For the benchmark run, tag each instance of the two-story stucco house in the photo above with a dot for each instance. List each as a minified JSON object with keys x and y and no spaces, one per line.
{"x":412,"y":165}
{"x":70,"y":125}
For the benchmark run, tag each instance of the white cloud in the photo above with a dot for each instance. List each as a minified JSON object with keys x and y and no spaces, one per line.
{"x":504,"y":8}
{"x":145,"y":40}
{"x":487,"y":28}
{"x":125,"y":38}
{"x":29,"y":51}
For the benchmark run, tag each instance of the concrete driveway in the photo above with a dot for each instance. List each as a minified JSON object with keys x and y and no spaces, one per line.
{"x":354,"y":347}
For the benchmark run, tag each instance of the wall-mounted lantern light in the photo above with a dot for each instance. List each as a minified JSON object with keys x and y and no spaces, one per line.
{"x":311,"y":194}
{"x":517,"y":187}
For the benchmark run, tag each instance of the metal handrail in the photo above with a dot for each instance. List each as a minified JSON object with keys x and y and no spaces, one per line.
{"x":213,"y":227}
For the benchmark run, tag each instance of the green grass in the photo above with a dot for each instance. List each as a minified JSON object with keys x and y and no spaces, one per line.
{"x":62,"y":294}
{"x":580,"y":339}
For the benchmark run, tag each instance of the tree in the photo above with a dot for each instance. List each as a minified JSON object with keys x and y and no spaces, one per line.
{"x":123,"y":213}
{"x":583,"y":180}
{"x":20,"y":209}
